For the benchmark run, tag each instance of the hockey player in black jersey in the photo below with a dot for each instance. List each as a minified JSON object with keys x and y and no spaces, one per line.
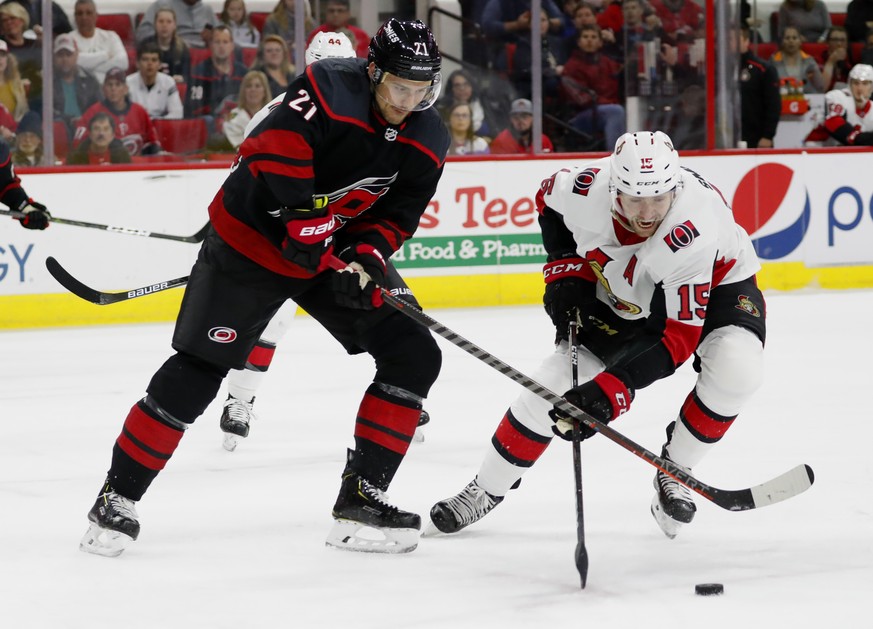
{"x":345,"y":166}
{"x":34,"y":215}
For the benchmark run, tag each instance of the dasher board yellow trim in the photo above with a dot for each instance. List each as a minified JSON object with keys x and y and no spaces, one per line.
{"x":465,"y":291}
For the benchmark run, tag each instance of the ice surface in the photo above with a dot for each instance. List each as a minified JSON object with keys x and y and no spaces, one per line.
{"x":237,"y":539}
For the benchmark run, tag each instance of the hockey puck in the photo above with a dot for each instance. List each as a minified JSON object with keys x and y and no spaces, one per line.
{"x":709,"y":589}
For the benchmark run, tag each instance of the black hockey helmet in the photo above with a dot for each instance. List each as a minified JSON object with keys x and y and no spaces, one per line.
{"x":407,"y":50}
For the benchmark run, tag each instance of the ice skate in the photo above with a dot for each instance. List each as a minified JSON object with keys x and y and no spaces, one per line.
{"x":114,"y":524}
{"x":460,"y":511}
{"x":236,"y":419}
{"x":367,"y":522}
{"x":424,"y":418}
{"x":672,"y":505}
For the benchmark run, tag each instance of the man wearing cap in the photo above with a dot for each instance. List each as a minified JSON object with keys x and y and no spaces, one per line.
{"x":75,"y":89}
{"x":518,"y":137}
{"x":99,"y":50}
{"x":132,"y":123}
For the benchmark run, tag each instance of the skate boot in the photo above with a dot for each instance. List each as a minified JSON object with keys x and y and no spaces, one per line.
{"x":235,"y":420}
{"x":458,"y":512}
{"x":367,"y":522}
{"x":424,"y":418}
{"x":114,"y":524}
{"x":672,"y":505}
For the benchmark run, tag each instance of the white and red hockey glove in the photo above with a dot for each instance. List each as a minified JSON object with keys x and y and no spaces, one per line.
{"x":604,"y":398}
{"x":567,"y":291}
{"x":309,"y":239}
{"x":357,"y":285}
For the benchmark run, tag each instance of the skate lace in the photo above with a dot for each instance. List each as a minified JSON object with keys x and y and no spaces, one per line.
{"x":672,"y":489}
{"x":120,"y":506}
{"x":376,"y":494}
{"x":471,"y":504}
{"x":239,"y":410}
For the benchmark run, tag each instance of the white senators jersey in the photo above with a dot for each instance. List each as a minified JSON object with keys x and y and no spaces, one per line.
{"x":841,"y":103}
{"x":697,"y":246}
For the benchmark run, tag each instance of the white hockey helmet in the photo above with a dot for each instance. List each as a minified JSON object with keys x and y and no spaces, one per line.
{"x":328,"y":45}
{"x":643,"y":164}
{"x":861,"y":72}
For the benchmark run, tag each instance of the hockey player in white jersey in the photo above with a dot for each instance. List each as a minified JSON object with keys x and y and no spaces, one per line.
{"x":243,"y":384}
{"x":649,"y":256}
{"x":848,"y":112}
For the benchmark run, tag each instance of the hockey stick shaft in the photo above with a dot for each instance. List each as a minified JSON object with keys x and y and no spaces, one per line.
{"x":581,"y":552}
{"x":99,"y":297}
{"x":194,"y":238}
{"x":789,"y":484}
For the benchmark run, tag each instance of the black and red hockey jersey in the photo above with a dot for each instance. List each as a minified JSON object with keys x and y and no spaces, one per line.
{"x":327,"y":138}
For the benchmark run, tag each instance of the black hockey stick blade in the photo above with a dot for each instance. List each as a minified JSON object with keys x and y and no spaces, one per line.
{"x":581,"y":555}
{"x":194,"y":238}
{"x":787,"y":485}
{"x":99,"y":297}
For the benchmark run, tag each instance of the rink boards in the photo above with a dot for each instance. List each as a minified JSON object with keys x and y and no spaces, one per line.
{"x":810,"y":214}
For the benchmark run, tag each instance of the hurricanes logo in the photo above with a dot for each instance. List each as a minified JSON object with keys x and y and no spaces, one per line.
{"x":390,"y":134}
{"x":221,"y":334}
{"x":747,"y":305}
{"x":358,"y":197}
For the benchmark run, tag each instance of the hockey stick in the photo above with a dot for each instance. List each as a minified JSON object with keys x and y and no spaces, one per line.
{"x":99,"y":297}
{"x":581,"y":551}
{"x":198,"y":237}
{"x":793,"y":482}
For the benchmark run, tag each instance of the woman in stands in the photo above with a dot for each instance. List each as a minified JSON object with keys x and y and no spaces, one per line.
{"x":175,"y":56}
{"x":281,"y":22}
{"x":459,"y":120}
{"x":274,"y":61}
{"x":254,"y":94}
{"x":795,"y":66}
{"x":12,"y":94}
{"x":236,"y":16}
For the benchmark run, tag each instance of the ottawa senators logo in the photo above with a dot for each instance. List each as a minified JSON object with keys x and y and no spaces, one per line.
{"x":747,"y":305}
{"x":584,"y":180}
{"x":681,"y":236}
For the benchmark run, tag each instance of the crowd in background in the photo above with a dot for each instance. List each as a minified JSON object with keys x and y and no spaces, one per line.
{"x":118,"y":91}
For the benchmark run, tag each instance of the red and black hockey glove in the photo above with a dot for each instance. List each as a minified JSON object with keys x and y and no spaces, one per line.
{"x":357,"y":286}
{"x":309,"y":239}
{"x":604,"y":398}
{"x":567,"y":292}
{"x":36,"y":216}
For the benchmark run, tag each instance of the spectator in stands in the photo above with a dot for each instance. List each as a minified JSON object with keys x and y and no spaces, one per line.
{"x":809,"y":17}
{"x":611,"y":16}
{"x":99,"y":50}
{"x":682,"y":19}
{"x":28,"y":150}
{"x":591,"y":85}
{"x":175,"y":56}
{"x":194,"y":21}
{"x":848,"y":112}
{"x":216,"y":79}
{"x":282,"y":22}
{"x":75,"y":89}
{"x":836,"y":61}
{"x":337,"y":16}
{"x":867,"y":52}
{"x":132,"y":124}
{"x":520,"y":71}
{"x":461,"y":87}
{"x":794,"y":65}
{"x":586,"y":15}
{"x":459,"y":120}
{"x":274,"y":62}
{"x":60,"y":21}
{"x":12,"y":94}
{"x":14,"y":22}
{"x":518,"y":138}
{"x":152,"y":89}
{"x":101,"y":146}
{"x":254,"y":94}
{"x":236,"y":17}
{"x":760,"y":101}
{"x":7,"y":125}
{"x":750,"y":20}
{"x":859,"y":19}
{"x":507,"y":20}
